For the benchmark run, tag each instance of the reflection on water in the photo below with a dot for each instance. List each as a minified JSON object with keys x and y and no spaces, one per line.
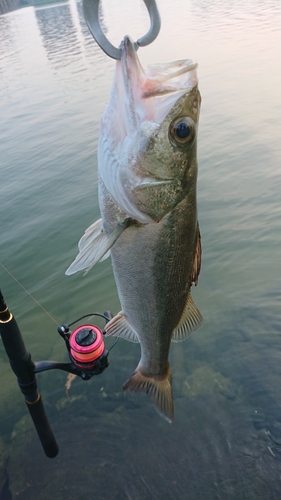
{"x":54,"y":84}
{"x":57,"y":29}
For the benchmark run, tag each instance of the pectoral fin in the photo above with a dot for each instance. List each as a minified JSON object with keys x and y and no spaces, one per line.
{"x":190,"y":321}
{"x":95,"y":245}
{"x":120,"y":327}
{"x":91,"y":233}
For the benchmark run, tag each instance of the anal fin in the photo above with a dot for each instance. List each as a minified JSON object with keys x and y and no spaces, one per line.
{"x":120,"y":327}
{"x":159,"y":389}
{"x":190,"y":321}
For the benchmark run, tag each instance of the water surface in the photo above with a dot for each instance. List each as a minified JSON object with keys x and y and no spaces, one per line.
{"x":54,"y":84}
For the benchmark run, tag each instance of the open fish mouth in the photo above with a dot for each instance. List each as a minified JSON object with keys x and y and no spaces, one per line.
{"x":170,"y":77}
{"x":155,"y":89}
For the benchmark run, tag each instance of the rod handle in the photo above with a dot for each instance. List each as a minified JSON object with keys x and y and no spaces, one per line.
{"x":42,"y":426}
{"x":23,"y":367}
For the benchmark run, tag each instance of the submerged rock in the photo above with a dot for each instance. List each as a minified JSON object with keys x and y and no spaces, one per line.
{"x":204,"y":380}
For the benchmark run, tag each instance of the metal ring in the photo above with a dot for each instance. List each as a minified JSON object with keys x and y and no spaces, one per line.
{"x":91,"y":15}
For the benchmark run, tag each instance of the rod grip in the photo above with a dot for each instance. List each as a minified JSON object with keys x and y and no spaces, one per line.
{"x":42,"y":426}
{"x":23,"y":367}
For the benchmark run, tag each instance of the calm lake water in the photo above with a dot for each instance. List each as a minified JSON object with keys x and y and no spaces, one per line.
{"x":225,"y":442}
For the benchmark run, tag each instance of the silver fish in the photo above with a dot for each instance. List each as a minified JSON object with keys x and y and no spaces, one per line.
{"x":147,"y":195}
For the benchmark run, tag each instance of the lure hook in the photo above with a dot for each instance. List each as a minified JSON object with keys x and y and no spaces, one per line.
{"x":91,"y":15}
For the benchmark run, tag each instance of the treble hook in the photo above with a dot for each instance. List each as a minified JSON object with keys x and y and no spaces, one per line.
{"x":91,"y":15}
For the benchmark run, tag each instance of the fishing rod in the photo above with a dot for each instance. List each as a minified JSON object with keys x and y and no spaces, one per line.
{"x":87,"y":357}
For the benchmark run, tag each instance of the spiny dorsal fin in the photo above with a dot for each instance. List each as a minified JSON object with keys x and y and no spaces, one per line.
{"x":120,"y":327}
{"x":158,"y":389}
{"x":190,"y":321}
{"x":197,"y":258}
{"x":94,"y":246}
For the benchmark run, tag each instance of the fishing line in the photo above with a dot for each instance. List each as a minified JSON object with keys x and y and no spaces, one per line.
{"x":33,"y":298}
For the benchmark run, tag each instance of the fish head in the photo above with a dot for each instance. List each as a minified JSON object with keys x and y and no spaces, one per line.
{"x":147,"y":147}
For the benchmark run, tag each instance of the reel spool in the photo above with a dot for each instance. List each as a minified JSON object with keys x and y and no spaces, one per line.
{"x":86,"y":346}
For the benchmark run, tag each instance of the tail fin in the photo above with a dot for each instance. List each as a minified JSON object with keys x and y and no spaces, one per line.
{"x":159,"y":391}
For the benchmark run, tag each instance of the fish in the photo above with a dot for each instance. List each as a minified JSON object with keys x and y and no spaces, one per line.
{"x":147,"y":169}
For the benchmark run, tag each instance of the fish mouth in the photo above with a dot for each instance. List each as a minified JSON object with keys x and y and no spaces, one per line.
{"x":155,"y":90}
{"x":170,"y":77}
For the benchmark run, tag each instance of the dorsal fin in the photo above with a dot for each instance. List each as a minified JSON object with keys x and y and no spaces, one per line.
{"x":197,"y":258}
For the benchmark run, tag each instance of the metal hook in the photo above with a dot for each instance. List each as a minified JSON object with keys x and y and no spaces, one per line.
{"x":91,"y":15}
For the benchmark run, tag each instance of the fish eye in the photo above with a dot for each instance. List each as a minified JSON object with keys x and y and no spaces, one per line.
{"x":182,"y":132}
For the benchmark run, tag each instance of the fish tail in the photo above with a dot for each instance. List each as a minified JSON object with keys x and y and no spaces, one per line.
{"x":158,"y":389}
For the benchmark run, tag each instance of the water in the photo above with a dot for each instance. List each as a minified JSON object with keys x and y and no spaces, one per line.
{"x":54,"y":84}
